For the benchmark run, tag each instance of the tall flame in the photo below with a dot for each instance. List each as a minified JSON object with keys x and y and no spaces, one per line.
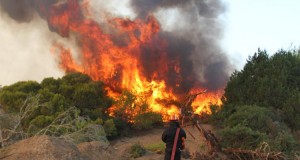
{"x":112,"y":53}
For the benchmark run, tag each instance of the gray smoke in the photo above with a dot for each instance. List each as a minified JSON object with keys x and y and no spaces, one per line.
{"x":198,"y":30}
{"x":194,"y":36}
{"x":145,"y":7}
{"x":25,"y":43}
{"x":25,"y":10}
{"x":20,"y":10}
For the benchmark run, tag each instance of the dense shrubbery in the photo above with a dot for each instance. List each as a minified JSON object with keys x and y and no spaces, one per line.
{"x":78,"y":100}
{"x":55,"y":96}
{"x":262,"y":103}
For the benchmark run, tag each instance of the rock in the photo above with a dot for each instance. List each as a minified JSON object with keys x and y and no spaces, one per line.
{"x":94,"y":150}
{"x":41,"y":148}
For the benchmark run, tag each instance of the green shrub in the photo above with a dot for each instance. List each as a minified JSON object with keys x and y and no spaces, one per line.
{"x":241,"y":137}
{"x":253,"y":117}
{"x":41,"y":121}
{"x":12,"y":101}
{"x":90,"y":132}
{"x":147,"y":120}
{"x":156,"y":147}
{"x":283,"y":142}
{"x":110,"y":128}
{"x":137,"y":150}
{"x":123,"y":128}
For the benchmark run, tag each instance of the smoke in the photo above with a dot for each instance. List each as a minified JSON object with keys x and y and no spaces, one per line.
{"x":192,"y":28}
{"x":25,"y":43}
{"x":19,"y":10}
{"x":25,"y":10}
{"x":196,"y":31}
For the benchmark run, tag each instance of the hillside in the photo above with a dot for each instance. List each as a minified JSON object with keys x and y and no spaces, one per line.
{"x":51,"y":148}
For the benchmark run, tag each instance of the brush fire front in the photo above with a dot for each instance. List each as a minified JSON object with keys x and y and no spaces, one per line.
{"x":129,"y":54}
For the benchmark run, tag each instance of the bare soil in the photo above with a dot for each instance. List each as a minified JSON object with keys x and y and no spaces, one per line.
{"x":194,"y":143}
{"x":51,"y":148}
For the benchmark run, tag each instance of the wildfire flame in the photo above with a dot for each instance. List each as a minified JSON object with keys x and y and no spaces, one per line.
{"x":114,"y":56}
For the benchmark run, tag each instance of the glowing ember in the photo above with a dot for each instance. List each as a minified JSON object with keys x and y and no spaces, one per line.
{"x":129,"y":55}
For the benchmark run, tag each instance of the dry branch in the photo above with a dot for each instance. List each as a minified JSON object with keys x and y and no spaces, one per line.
{"x":254,"y":155}
{"x":212,"y":141}
{"x":7,"y":135}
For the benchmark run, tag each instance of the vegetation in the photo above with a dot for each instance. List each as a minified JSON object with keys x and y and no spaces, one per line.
{"x":261,"y":107}
{"x":137,"y":150}
{"x":131,"y":108}
{"x":72,"y":106}
{"x":261,"y":103}
{"x":156,"y":147}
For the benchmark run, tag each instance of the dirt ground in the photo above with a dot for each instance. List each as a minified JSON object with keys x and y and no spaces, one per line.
{"x":194,"y":142}
{"x":53,"y":148}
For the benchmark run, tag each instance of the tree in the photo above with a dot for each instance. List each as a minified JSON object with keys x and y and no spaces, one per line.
{"x":268,"y":82}
{"x":262,"y":102}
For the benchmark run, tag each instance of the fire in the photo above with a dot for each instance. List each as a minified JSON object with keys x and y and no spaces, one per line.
{"x":202,"y":102}
{"x":117,"y":53}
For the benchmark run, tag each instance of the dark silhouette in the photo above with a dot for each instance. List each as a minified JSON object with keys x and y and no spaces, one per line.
{"x":168,"y":137}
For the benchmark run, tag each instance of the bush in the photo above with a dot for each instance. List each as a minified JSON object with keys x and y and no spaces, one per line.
{"x":110,"y":128}
{"x":90,"y":132}
{"x":253,"y":117}
{"x":242,"y":137}
{"x":156,"y":147}
{"x":268,"y":81}
{"x":122,"y":126}
{"x":12,"y":101}
{"x":147,"y":120}
{"x":283,"y":142}
{"x":41,"y":121}
{"x":137,"y":150}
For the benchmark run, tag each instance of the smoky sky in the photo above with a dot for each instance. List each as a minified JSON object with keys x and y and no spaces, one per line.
{"x":24,"y":10}
{"x":195,"y":39}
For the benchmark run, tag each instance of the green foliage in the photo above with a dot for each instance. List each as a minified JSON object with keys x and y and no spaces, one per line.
{"x":123,"y":128}
{"x":55,"y":98}
{"x":261,"y":103}
{"x":110,"y":128}
{"x":269,"y":82}
{"x":291,"y":111}
{"x":147,"y":120}
{"x":12,"y":101}
{"x":156,"y":147}
{"x":98,"y":121}
{"x":284,"y":142}
{"x":90,"y":132}
{"x":251,"y":116}
{"x":137,"y":150}
{"x":51,"y":84}
{"x":41,"y":121}
{"x":24,"y":86}
{"x":72,"y":79}
{"x":240,"y":136}
{"x":253,"y":125}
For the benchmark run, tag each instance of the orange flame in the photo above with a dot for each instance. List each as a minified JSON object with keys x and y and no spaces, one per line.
{"x":113,"y":56}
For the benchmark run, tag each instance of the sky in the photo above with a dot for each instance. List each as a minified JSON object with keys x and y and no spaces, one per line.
{"x":247,"y":26}
{"x":264,"y":24}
